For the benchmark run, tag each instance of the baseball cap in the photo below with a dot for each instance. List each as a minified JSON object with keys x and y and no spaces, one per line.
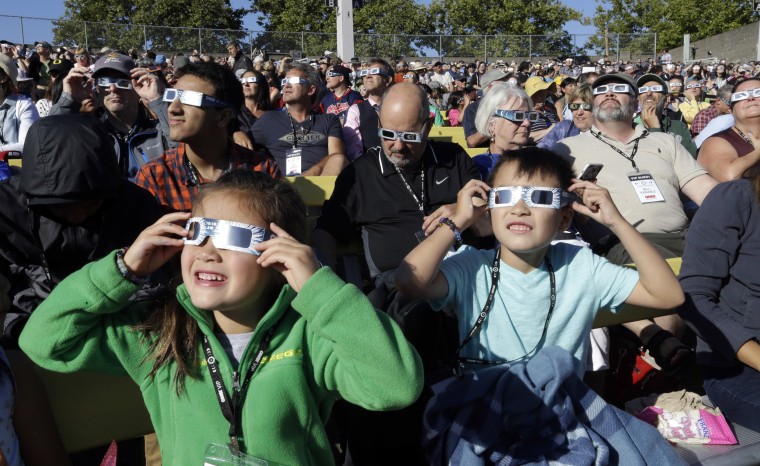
{"x":160,"y":60}
{"x":114,"y":61}
{"x":342,"y":70}
{"x":651,"y":77}
{"x":61,"y":66}
{"x":616,"y":77}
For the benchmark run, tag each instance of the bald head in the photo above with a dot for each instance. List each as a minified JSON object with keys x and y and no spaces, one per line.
{"x":407,"y":101}
{"x":405,"y":109}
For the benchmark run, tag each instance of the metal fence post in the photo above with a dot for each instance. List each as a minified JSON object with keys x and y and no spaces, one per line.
{"x":485,"y":48}
{"x":655,"y":47}
{"x":303,"y":46}
{"x":250,"y":41}
{"x":530,"y":48}
{"x":23,"y":39}
{"x":145,"y":39}
{"x":200,"y":42}
{"x":617,"y":46}
{"x":440,"y":47}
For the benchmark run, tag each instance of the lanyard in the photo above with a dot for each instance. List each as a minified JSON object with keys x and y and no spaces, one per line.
{"x":487,"y":307}
{"x":230,"y":405}
{"x":744,"y":136}
{"x":420,"y":202}
{"x":304,"y":131}
{"x":192,"y":171}
{"x":633,"y":152}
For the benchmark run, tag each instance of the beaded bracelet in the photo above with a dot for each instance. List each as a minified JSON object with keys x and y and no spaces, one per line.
{"x":457,"y":234}
{"x":125,"y":271}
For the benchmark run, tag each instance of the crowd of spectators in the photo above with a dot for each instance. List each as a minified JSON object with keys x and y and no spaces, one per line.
{"x":119,"y":148}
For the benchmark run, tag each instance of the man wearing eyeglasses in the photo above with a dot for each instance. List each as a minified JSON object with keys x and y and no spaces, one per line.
{"x":340,"y":96}
{"x":652,"y":94}
{"x":392,"y":197}
{"x":302,"y":142}
{"x":645,"y":173}
{"x":119,"y":90}
{"x":360,"y":129}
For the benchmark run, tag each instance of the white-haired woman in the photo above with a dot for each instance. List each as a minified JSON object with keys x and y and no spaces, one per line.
{"x":504,"y":117}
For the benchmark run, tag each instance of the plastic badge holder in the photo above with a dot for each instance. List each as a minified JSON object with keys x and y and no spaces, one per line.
{"x":222,"y":455}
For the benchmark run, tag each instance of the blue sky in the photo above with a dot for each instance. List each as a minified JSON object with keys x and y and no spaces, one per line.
{"x":10,"y":28}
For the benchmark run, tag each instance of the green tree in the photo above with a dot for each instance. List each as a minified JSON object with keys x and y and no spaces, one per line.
{"x":119,"y":24}
{"x":670,"y":19}
{"x":381,"y":27}
{"x":466,"y":20}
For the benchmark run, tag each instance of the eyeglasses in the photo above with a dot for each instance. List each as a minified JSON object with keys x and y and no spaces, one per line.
{"x":676,"y":85}
{"x":616,"y":88}
{"x":293,"y":80}
{"x":584,"y":106}
{"x":645,"y":89}
{"x":81,"y":57}
{"x":120,"y":83}
{"x":534,"y":196}
{"x":405,"y":136}
{"x":744,"y":95}
{"x":517,"y":116}
{"x":249,"y":79}
{"x":409,"y":76}
{"x":694,"y":85}
{"x":224,"y":234}
{"x":371,"y":71}
{"x":196,"y":99}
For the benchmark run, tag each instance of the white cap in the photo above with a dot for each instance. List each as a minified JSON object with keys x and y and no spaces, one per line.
{"x":328,"y":53}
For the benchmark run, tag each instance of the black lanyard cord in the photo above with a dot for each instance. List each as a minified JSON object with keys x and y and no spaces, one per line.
{"x":628,"y":157}
{"x":230,"y":405}
{"x":304,"y":131}
{"x":459,"y":367}
{"x":419,"y":200}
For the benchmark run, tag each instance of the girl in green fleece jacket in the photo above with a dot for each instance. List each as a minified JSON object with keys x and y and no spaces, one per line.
{"x":240,"y":360}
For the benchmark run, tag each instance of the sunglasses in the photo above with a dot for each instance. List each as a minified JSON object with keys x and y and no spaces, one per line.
{"x":249,"y":79}
{"x":744,"y":95}
{"x":584,"y":106}
{"x":224,"y":234}
{"x":196,"y":99}
{"x":534,"y":196}
{"x":120,"y":83}
{"x":405,"y":136}
{"x":295,"y":80}
{"x":675,"y":85}
{"x":517,"y":116}
{"x":371,"y":71}
{"x":645,"y":89}
{"x":616,"y":88}
{"x":333,"y":74}
{"x":81,"y":57}
{"x":693,"y":85}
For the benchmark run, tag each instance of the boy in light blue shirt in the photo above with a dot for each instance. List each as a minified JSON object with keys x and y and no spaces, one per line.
{"x":545,"y":294}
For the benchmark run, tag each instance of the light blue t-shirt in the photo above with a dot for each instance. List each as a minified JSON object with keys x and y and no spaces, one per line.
{"x":585,"y":283}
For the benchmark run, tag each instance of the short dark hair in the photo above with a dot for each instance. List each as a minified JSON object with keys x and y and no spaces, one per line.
{"x":383,"y":64}
{"x":534,"y":161}
{"x":226,"y":85}
{"x":233,"y":42}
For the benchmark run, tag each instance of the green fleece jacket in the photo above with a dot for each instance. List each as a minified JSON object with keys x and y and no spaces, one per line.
{"x":330,"y":343}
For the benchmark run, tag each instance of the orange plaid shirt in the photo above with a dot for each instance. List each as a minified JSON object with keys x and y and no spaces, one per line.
{"x":168,"y":179}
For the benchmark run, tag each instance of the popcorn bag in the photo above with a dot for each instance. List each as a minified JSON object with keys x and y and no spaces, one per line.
{"x":705,"y":426}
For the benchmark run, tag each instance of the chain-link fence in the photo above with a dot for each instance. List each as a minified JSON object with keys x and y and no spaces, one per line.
{"x":95,"y":36}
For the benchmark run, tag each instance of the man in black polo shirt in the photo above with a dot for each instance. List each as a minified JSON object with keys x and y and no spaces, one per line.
{"x":302,"y":142}
{"x":390,"y":192}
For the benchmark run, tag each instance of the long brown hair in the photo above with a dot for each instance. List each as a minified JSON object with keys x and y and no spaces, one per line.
{"x":173,"y":334}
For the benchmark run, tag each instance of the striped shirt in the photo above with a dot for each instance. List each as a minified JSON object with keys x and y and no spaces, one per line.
{"x":174,"y":187}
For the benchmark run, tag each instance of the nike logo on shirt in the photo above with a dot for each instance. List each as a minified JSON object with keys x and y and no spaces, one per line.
{"x":441,"y":181}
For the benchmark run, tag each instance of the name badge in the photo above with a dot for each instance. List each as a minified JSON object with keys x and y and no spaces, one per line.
{"x":293,"y":162}
{"x":224,"y":455}
{"x":645,"y":186}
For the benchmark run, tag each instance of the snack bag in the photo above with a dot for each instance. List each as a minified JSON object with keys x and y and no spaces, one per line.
{"x":705,"y":426}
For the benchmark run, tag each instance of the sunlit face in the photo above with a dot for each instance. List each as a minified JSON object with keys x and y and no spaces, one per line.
{"x":403,"y":154}
{"x":117,"y":101}
{"x":583,"y":119}
{"x":747,"y":109}
{"x":187,"y":122}
{"x":221,"y":280}
{"x":521,"y":230}
{"x":507,"y":134}
{"x":650,"y":97}
{"x":293,"y":93}
{"x":250,"y":89}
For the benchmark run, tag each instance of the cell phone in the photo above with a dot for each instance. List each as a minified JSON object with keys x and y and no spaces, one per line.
{"x":591,"y":171}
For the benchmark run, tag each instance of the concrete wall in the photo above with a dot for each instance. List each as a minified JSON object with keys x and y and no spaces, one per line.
{"x":735,"y":46}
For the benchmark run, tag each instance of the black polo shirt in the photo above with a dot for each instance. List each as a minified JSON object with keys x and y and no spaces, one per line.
{"x":371,"y":199}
